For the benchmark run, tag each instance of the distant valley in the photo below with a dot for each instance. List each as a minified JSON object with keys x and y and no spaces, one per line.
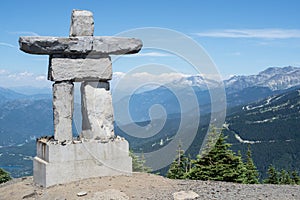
{"x":262,"y":110}
{"x":272,"y":127}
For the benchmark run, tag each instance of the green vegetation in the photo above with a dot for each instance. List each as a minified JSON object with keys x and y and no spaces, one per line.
{"x":217,"y":162}
{"x":4,"y":176}
{"x":180,"y":166}
{"x":138,"y":163}
{"x":252,"y":175}
{"x":273,"y":177}
{"x":282,"y":177}
{"x":274,"y":125}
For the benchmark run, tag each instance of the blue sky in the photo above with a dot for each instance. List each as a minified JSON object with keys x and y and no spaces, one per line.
{"x":241,"y":37}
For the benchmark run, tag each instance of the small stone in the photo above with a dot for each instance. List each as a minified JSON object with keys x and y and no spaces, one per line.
{"x":182,"y":195}
{"x":82,"y":193}
{"x":31,"y":195}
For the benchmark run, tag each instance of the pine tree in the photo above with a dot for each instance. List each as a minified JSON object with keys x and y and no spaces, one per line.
{"x":252,"y":175}
{"x":218,"y":162}
{"x":138,"y":164}
{"x":295,"y":177}
{"x":285,"y":178}
{"x":241,"y":169}
{"x":273,"y":176}
{"x":180,"y":166}
{"x":4,"y":176}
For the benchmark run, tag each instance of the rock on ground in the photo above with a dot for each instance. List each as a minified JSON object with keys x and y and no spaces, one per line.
{"x":183,"y":195}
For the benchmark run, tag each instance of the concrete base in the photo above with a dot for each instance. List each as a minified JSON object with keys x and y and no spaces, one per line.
{"x":56,"y":163}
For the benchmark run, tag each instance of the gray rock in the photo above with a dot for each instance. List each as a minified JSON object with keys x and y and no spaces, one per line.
{"x":82,"y":193}
{"x":82,"y":23}
{"x":182,"y":195}
{"x":79,"y":69}
{"x":97,"y":111}
{"x":80,"y":45}
{"x":31,"y":195}
{"x":63,"y":102}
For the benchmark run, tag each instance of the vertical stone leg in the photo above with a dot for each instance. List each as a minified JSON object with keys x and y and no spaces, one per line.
{"x":97,"y":111}
{"x":63,"y":102}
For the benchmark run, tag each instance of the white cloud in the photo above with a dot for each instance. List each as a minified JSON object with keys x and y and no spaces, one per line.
{"x":12,"y":76}
{"x":156,"y":78}
{"x":7,"y":45}
{"x":20,"y":75}
{"x":25,"y":74}
{"x":3,"y":71}
{"x":41,"y":78}
{"x":25,"y":78}
{"x":142,"y":79}
{"x":252,"y":33}
{"x":124,"y":84}
{"x":150,"y":54}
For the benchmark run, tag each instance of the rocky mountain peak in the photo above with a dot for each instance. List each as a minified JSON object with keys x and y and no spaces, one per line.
{"x":275,"y":78}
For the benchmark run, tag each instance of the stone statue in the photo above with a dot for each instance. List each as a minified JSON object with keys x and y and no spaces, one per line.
{"x":84,"y":58}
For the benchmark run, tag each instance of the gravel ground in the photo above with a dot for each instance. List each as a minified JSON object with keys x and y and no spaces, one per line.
{"x":144,"y":186}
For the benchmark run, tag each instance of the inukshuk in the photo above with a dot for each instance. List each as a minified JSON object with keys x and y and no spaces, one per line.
{"x":84,"y":58}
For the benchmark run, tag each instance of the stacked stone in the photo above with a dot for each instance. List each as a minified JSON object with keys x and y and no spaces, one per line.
{"x":81,"y":58}
{"x":84,"y":58}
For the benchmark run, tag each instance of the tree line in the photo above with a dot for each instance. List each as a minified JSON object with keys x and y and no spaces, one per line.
{"x":218,"y":163}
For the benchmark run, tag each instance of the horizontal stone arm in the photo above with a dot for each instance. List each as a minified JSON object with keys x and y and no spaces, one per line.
{"x":80,"y":45}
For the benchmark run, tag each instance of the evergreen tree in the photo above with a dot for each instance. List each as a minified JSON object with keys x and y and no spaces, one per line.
{"x":218,"y":162}
{"x":252,"y":175}
{"x":180,"y":166}
{"x":241,"y":169}
{"x":138,"y":164}
{"x":273,"y":176}
{"x":4,"y":176}
{"x":285,"y":178}
{"x":295,"y":177}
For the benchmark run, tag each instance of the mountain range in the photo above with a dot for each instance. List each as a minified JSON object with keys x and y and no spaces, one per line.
{"x":254,"y":112}
{"x":239,"y":90}
{"x":274,"y":78}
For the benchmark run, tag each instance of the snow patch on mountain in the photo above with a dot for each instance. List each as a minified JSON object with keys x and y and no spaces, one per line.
{"x":275,"y":78}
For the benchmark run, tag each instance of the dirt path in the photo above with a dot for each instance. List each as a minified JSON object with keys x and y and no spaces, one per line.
{"x":144,"y":186}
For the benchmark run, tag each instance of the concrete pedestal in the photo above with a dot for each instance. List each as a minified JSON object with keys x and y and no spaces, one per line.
{"x":56,"y":163}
